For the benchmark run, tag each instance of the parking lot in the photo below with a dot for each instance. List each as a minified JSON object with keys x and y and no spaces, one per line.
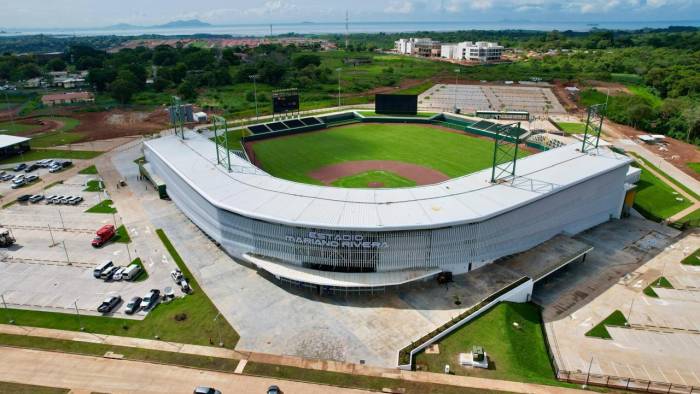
{"x":470,"y":98}
{"x":50,"y":267}
{"x":662,"y":343}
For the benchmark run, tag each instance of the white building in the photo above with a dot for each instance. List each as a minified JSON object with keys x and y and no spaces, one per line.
{"x":417,"y":46}
{"x":480,"y":51}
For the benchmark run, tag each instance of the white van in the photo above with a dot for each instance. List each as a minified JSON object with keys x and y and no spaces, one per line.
{"x":98,"y":270}
{"x":131,"y":272}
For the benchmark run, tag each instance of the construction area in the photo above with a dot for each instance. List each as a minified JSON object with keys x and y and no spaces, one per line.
{"x":472,"y":98}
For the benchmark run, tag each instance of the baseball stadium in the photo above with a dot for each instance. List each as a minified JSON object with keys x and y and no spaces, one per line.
{"x":355,"y":202}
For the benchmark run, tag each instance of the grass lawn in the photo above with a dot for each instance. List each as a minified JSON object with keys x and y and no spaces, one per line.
{"x":198,"y":327}
{"x":15,"y":127}
{"x":572,"y":127}
{"x":105,"y":206}
{"x":39,"y":154}
{"x":234,"y":138}
{"x":353,"y":380}
{"x":647,"y":94}
{"x":98,"y":349}
{"x":695,"y":167}
{"x":680,"y":185}
{"x":21,"y":388}
{"x":143,"y":275}
{"x":514,"y":353}
{"x":615,"y":319}
{"x":366,"y":179}
{"x":693,"y":259}
{"x":660,"y":282}
{"x":122,"y":235}
{"x":294,"y":157}
{"x":92,"y":170}
{"x":418,"y":89}
{"x":94,"y":185}
{"x":655,"y":199}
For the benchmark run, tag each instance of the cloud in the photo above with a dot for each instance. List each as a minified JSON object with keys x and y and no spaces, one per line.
{"x":400,"y":7}
{"x":480,"y":4}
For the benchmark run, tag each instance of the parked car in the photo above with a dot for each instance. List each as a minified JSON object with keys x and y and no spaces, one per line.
{"x":65,"y":199}
{"x":53,"y":169}
{"x":104,"y":234}
{"x":132,"y":272}
{"x":19,"y":178}
{"x":97,"y":272}
{"x":19,"y":167}
{"x":109,"y":304}
{"x":150,"y":299}
{"x":57,"y":199}
{"x":16,"y":184}
{"x":49,"y":199}
{"x":32,"y":178}
{"x":133,"y":306}
{"x":24,"y":198}
{"x":75,"y":200}
{"x":66,"y":163}
{"x":6,"y":177}
{"x":206,"y":390}
{"x":274,"y":390}
{"x":118,"y":274}
{"x":108,"y":273}
{"x":36,"y":198}
{"x":184,"y":286}
{"x":31,"y":168}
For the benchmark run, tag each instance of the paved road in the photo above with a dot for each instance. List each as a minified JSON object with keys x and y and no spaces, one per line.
{"x":121,"y":376}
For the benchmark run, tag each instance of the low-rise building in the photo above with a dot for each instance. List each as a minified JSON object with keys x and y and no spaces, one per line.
{"x":11,"y":145}
{"x":67,"y":98}
{"x":417,"y":46}
{"x":479,"y":51}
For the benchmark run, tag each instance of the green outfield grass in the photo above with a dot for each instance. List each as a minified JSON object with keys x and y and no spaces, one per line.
{"x":451,"y":153}
{"x":366,"y":179}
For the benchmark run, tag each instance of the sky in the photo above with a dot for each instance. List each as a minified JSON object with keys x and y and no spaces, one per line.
{"x":100,"y":13}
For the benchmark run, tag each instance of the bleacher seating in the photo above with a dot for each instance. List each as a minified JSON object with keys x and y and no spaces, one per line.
{"x":277,"y":126}
{"x":310,"y":121}
{"x":292,"y":123}
{"x":258,"y":129}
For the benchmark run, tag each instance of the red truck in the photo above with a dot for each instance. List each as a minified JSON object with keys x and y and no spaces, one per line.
{"x":104,"y":234}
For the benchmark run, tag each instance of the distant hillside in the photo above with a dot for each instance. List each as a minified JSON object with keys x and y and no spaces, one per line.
{"x":179,"y":24}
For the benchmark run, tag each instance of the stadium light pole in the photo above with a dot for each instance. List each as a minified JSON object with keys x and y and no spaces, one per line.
{"x":456,"y":82}
{"x":338,"y":70}
{"x":255,"y":92}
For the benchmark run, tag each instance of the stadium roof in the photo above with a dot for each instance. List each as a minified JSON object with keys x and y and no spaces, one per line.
{"x":9,"y":140}
{"x":471,"y":198}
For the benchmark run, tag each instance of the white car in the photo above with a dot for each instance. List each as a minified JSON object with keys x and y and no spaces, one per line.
{"x":118,"y":275}
{"x":36,"y":198}
{"x":49,"y":199}
{"x":18,"y":179}
{"x":18,"y":183}
{"x":6,"y":177}
{"x":55,"y":168}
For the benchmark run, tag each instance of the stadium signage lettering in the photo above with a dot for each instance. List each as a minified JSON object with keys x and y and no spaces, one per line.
{"x":336,"y":240}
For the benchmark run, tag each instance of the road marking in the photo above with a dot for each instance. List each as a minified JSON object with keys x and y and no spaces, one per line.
{"x":680,"y":376}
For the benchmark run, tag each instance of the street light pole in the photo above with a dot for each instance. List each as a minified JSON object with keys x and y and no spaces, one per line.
{"x":66,"y":250}
{"x":75,"y":303}
{"x":218,"y":329}
{"x":9,"y":318}
{"x":255,"y":92}
{"x":338,"y":70}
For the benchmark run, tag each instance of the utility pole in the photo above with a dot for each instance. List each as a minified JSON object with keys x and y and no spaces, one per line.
{"x":53,"y":242}
{"x":61,"y":217}
{"x":338,"y":70}
{"x":585,"y":385}
{"x":347,"y":30}
{"x":255,"y":92}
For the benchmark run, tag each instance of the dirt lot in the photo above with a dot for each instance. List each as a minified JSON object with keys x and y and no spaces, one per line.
{"x":119,"y":123}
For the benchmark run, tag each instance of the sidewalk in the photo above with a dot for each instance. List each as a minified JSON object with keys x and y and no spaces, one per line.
{"x":291,"y":361}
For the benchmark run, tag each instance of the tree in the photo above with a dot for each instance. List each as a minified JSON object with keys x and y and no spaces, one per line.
{"x":187,"y":89}
{"x":122,"y":89}
{"x":56,"y":65}
{"x":100,"y":78}
{"x":692,"y":120}
{"x":305,"y":59}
